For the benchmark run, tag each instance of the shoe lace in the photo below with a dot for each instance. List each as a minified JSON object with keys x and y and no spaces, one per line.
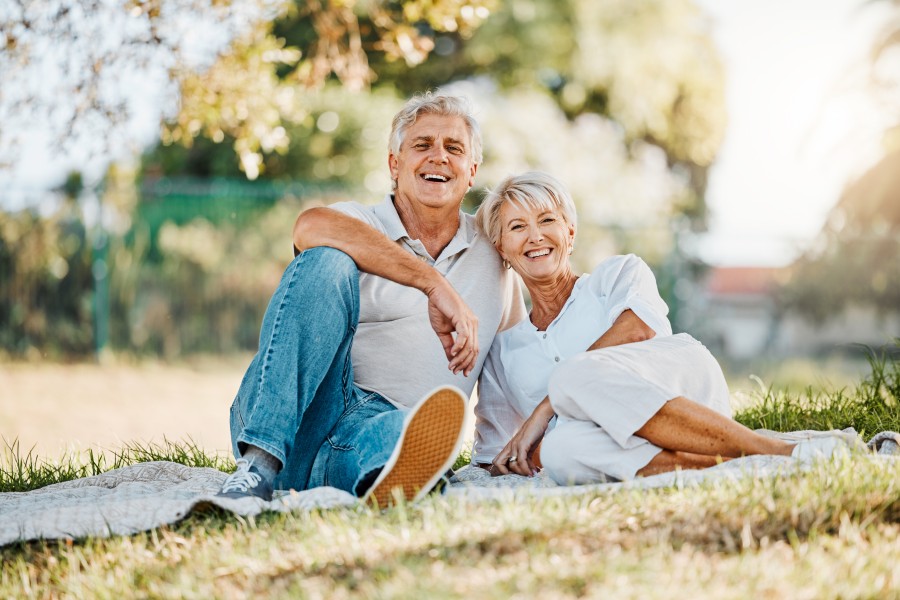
{"x":241,"y":480}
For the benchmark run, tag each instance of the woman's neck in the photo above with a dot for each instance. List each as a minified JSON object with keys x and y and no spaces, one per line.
{"x":548,"y":298}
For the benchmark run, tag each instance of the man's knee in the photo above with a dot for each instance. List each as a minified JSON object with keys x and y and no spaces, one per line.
{"x":328,"y":262}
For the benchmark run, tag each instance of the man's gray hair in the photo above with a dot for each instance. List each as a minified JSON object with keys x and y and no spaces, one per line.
{"x":533,"y":189}
{"x":435,"y":104}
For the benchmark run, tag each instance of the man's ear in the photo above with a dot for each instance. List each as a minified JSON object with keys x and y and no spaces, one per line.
{"x":472,"y":172}
{"x":393,"y":166}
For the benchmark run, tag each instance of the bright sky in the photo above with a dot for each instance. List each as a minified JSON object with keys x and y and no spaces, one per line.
{"x":800,"y":123}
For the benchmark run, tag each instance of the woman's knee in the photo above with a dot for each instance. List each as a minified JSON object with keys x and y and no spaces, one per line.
{"x":555,"y":458}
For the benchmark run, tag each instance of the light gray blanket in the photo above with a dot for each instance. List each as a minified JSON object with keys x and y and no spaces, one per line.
{"x":147,"y":495}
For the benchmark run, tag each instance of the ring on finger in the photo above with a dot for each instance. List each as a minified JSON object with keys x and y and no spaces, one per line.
{"x":512,"y":459}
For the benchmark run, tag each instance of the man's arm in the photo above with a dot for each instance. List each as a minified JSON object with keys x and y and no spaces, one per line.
{"x":376,"y":254}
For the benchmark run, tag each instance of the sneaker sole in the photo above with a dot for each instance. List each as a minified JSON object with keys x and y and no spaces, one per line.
{"x":431,"y":438}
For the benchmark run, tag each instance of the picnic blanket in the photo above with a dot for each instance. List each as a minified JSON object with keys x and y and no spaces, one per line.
{"x":148,"y":495}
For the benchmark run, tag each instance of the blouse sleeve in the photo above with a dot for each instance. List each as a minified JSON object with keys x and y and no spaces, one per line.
{"x":496,"y":420}
{"x":626,"y":282}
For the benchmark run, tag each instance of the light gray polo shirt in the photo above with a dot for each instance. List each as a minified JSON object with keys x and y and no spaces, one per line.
{"x":395,"y":351}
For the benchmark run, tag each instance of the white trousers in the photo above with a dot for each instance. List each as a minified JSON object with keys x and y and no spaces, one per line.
{"x":602,"y":397}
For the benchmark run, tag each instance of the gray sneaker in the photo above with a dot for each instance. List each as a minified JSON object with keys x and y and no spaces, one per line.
{"x":246,"y":482}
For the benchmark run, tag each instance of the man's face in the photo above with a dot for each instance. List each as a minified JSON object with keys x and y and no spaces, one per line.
{"x":435,"y":166}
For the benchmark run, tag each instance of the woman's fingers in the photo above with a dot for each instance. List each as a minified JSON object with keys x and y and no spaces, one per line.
{"x":520,"y":466}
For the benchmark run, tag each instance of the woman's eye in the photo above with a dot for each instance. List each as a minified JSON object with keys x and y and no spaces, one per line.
{"x":517,"y":227}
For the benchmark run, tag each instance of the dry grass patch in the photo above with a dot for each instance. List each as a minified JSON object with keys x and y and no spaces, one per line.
{"x":830,"y":533}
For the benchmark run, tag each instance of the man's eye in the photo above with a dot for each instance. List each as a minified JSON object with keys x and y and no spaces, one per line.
{"x":454,"y":149}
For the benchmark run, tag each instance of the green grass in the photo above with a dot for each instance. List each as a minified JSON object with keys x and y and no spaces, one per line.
{"x":20,"y":473}
{"x":833,"y":532}
{"x":869,"y":407}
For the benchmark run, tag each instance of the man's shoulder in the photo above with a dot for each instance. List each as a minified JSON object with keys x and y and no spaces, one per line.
{"x":368,"y":213}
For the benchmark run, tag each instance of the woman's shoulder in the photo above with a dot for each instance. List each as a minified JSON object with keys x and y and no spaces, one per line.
{"x":612,"y":267}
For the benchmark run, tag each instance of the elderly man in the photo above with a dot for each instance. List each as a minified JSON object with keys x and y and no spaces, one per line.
{"x":380,"y":305}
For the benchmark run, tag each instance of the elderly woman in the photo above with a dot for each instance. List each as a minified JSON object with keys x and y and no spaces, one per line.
{"x":598,"y":354}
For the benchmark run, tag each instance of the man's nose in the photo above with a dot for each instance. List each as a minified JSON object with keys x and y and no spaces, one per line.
{"x":439,"y":154}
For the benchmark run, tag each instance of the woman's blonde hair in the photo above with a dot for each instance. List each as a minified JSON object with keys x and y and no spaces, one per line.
{"x":533,"y":189}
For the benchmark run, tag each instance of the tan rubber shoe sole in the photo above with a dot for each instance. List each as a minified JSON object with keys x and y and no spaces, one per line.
{"x":429,"y":443}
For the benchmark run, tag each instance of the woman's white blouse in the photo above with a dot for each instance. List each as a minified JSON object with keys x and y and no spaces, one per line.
{"x":521,"y":359}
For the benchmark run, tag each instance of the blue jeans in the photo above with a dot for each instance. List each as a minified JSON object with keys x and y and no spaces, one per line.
{"x":297,"y":400}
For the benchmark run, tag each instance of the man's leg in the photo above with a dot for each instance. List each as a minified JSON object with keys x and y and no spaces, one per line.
{"x":300,"y":381}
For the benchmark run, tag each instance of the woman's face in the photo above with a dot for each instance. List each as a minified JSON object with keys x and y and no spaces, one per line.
{"x":535,"y":241}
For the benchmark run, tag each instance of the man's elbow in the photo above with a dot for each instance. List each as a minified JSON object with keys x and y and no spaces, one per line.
{"x":308,"y":229}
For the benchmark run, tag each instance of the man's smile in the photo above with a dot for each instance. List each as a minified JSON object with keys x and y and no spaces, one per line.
{"x":435,"y":177}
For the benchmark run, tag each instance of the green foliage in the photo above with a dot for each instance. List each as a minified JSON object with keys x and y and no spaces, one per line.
{"x":854,"y":261}
{"x":650,"y":67}
{"x":199,"y":283}
{"x":45,"y":283}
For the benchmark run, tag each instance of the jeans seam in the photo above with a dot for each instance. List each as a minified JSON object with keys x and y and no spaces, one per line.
{"x":276,"y":326}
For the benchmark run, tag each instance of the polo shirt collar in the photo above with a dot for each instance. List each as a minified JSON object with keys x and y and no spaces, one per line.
{"x":394,"y":229}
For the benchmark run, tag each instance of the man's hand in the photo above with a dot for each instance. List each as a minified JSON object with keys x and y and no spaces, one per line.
{"x":455,"y":324}
{"x":524,"y":443}
{"x":456,"y":327}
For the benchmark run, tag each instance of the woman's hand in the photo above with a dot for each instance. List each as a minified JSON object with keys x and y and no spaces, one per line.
{"x":524,"y":443}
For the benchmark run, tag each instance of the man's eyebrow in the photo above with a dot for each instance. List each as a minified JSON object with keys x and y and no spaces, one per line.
{"x":451,"y":140}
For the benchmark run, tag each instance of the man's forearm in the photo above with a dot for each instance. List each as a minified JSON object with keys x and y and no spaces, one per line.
{"x":372,"y":251}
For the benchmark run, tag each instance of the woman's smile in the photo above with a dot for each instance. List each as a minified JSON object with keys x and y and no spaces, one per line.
{"x":535,"y":240}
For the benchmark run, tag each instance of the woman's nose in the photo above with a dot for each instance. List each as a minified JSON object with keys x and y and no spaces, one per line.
{"x":534,"y":233}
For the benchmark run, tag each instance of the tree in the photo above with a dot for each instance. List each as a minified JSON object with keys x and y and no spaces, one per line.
{"x":215,"y":68}
{"x":853,"y":262}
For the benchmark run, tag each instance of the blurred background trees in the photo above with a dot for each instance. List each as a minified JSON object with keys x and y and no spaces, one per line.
{"x":855,"y":262}
{"x":265,"y":107}
{"x":622,"y":100}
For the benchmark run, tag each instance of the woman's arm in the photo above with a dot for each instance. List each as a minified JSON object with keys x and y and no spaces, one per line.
{"x":523,"y":444}
{"x":628,"y":328}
